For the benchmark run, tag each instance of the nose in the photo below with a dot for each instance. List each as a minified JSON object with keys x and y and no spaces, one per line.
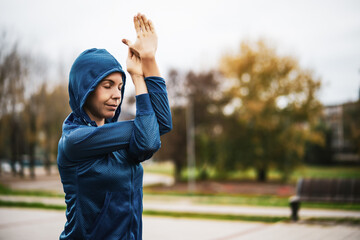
{"x":116,"y":94}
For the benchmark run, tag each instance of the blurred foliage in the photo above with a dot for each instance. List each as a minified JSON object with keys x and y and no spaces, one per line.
{"x":29,"y":123}
{"x":352,"y":126}
{"x":174,"y":143}
{"x":272,"y":105}
{"x":320,"y":154}
{"x":261,"y":113}
{"x":14,"y":68}
{"x":200,"y":89}
{"x":45,"y":112}
{"x":274,"y":175}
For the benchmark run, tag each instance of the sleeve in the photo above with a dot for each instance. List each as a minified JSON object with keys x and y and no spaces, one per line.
{"x":140,"y":136}
{"x":160,"y":103}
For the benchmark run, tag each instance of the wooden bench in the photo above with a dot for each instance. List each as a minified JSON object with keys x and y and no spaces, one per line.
{"x":324,"y":190}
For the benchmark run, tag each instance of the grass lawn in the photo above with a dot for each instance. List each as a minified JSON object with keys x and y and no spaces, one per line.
{"x":39,"y":193}
{"x":327,"y":172}
{"x":243,"y":200}
{"x":164,"y":168}
{"x":305,"y":171}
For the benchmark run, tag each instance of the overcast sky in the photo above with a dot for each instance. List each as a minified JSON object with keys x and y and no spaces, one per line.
{"x":193,"y":34}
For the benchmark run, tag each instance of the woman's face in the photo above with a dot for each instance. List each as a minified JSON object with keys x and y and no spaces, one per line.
{"x":104,"y":100}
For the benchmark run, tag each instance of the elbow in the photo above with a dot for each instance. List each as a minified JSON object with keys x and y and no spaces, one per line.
{"x":149,"y":149}
{"x":145,"y":152}
{"x":146,"y":144}
{"x":170,"y":126}
{"x":166,"y":128}
{"x":153,"y":146}
{"x":69,"y":147}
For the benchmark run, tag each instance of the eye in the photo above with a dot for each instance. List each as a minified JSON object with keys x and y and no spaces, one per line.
{"x":107,"y":86}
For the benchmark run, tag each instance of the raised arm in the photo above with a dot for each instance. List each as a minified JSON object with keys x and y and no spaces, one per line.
{"x":140,"y":136}
{"x":159,"y":100}
{"x":145,"y":48}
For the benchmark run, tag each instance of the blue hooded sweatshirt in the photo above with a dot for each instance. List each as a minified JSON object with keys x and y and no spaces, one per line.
{"x":100,"y":165}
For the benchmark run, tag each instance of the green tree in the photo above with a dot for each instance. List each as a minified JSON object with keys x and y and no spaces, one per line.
{"x":201,"y":90}
{"x":320,"y":154}
{"x":14,"y":68}
{"x":173,"y":144}
{"x":271,"y":104}
{"x":56,"y":110}
{"x":351,"y":120}
{"x":44,"y":114}
{"x":204,"y":92}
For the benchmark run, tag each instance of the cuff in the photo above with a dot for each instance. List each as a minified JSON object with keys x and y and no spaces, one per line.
{"x":143,"y":104}
{"x":155,"y":84}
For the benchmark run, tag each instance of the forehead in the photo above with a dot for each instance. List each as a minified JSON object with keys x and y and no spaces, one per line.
{"x":115,"y":77}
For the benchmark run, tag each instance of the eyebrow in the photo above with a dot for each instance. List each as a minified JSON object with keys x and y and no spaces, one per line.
{"x":109,"y":80}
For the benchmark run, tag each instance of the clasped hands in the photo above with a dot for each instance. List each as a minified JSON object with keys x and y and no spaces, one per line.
{"x":142,"y":52}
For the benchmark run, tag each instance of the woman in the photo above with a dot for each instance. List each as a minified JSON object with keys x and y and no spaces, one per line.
{"x":98,"y":157}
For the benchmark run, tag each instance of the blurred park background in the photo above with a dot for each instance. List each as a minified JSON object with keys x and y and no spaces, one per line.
{"x":262,"y":94}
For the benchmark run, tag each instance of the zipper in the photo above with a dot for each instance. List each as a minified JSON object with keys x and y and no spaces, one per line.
{"x":131,"y":200}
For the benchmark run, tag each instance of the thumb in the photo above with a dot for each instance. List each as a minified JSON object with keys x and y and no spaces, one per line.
{"x":131,"y":47}
{"x":126,"y":42}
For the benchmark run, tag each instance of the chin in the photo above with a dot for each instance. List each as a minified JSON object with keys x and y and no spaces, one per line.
{"x":109,"y":115}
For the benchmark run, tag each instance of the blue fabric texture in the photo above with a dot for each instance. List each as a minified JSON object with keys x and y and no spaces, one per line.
{"x":100,"y":166}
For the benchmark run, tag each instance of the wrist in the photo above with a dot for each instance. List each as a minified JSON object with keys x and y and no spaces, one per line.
{"x":147,"y":56}
{"x":140,"y":85}
{"x":136,"y":76}
{"x":149,"y":67}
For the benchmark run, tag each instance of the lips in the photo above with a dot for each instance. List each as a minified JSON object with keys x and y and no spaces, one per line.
{"x":111,"y":107}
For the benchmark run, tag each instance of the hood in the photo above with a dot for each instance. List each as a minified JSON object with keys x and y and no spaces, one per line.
{"x":88,"y":70}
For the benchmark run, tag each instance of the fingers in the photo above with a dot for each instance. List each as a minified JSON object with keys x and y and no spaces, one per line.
{"x":151,"y":26}
{"x":142,"y":24}
{"x":137,"y":25}
{"x":145,"y":22}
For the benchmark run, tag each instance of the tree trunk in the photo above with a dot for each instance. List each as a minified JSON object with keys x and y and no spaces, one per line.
{"x":32,"y":160}
{"x":177,"y":172}
{"x":32,"y":142}
{"x":47,"y":163}
{"x":14,"y":148}
{"x":262,"y":174}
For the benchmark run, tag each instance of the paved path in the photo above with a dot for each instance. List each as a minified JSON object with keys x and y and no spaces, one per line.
{"x":19,"y":224}
{"x":181,"y":206}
